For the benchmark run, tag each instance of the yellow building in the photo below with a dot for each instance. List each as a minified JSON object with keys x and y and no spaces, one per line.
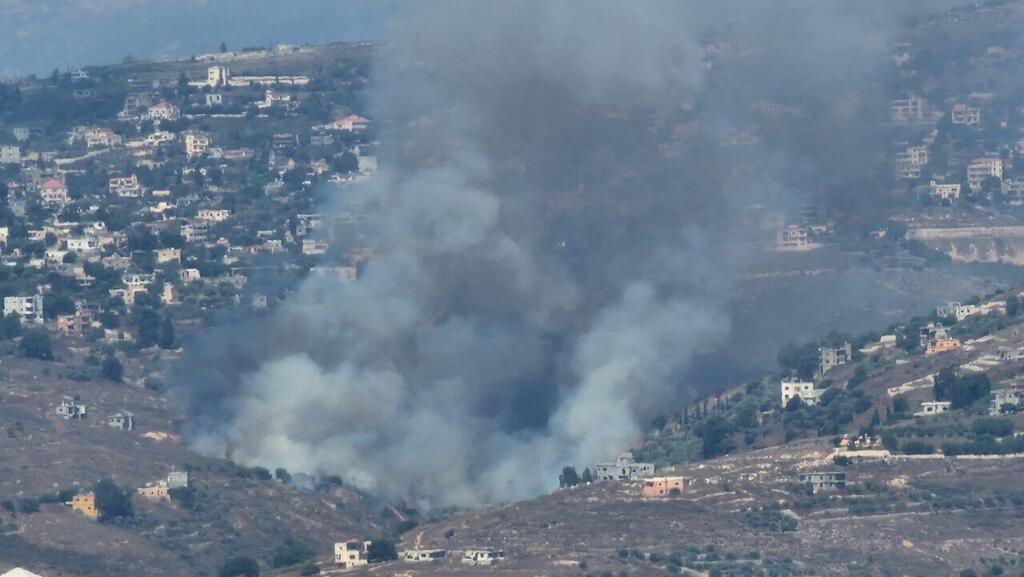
{"x":85,"y":503}
{"x":941,"y":346}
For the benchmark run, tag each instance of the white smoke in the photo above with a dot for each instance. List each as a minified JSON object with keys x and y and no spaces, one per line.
{"x":472,"y":360}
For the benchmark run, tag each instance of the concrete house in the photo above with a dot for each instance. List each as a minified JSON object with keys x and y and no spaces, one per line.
{"x":124,"y":421}
{"x":662,"y":487}
{"x":422,"y":555}
{"x":177,"y":479}
{"x":982,"y":168}
{"x":944,"y":192}
{"x":930,"y":408}
{"x":803,"y":390}
{"x":824,"y":480}
{"x":85,"y":503}
{"x":1012,"y":395}
{"x":29,"y":309}
{"x":70,"y":409}
{"x":482,"y":557}
{"x":832,"y":357}
{"x":125,"y":186}
{"x":352,"y":553}
{"x":10,"y":155}
{"x":964,"y":115}
{"x":156,"y":492}
{"x":625,"y":468}
{"x":53,"y":192}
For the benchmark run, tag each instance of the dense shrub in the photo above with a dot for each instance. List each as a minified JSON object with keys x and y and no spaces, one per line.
{"x":240,"y":567}
{"x":111,"y":501}
{"x":995,"y":427}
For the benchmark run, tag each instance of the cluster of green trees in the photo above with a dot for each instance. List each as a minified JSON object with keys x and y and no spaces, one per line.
{"x":570,"y":478}
{"x":770,"y":518}
{"x":112,"y":501}
{"x":961,"y":390}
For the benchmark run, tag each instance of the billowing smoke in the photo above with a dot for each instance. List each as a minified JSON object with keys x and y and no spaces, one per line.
{"x":554,"y":242}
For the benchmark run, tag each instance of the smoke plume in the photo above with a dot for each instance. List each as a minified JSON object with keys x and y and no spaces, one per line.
{"x":555,"y":239}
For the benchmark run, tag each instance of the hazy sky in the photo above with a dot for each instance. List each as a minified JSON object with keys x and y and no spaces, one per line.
{"x":40,"y":35}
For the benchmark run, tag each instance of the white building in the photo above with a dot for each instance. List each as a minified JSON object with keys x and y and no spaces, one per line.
{"x":159,"y":137}
{"x":214,"y":99}
{"x":625,"y":468}
{"x":125,"y":186}
{"x":217,"y":76}
{"x":910,"y":162}
{"x":965,"y":115}
{"x":163,"y":111}
{"x":794,"y":238}
{"x":83,"y":244}
{"x":352,"y":553}
{"x":213,"y":214}
{"x":164,"y":255}
{"x":101,"y":138}
{"x":482,"y":557}
{"x":1012,"y":395}
{"x":422,"y":555}
{"x":189,"y":275}
{"x":944,"y":192}
{"x":982,"y":168}
{"x":929,"y":408}
{"x":30,"y":309}
{"x":196,"y":144}
{"x":908,"y":110}
{"x":10,"y":155}
{"x":804,"y":391}
{"x":53,"y":192}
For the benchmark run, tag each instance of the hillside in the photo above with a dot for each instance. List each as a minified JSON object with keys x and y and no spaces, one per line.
{"x":931,"y":495}
{"x":910,"y":516}
{"x":231,"y":510}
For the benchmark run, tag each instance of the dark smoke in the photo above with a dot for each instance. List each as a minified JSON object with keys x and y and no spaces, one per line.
{"x":559,"y":233}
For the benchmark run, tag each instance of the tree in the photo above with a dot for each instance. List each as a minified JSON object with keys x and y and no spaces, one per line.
{"x":223,"y":47}
{"x":381,"y":550}
{"x":291,"y":553}
{"x":995,"y":427}
{"x":961,"y":390}
{"x":148,"y":324}
{"x":900,"y":405}
{"x":890,"y":442}
{"x":11,"y":326}
{"x":795,"y":404}
{"x":112,"y":369}
{"x":1012,"y":306}
{"x":240,"y":567}
{"x":716,"y":437}
{"x":345,"y":163}
{"x":111,"y":501}
{"x":283,"y":475}
{"x":36,"y":345}
{"x":569,"y":477}
{"x":587,"y":476}
{"x":799,"y":359}
{"x":166,"y":339}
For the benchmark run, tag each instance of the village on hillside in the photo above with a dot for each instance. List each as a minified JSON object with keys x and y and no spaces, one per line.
{"x":142,"y":204}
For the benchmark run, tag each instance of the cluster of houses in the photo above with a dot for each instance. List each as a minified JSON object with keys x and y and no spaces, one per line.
{"x":985,"y":173}
{"x":170,"y":182}
{"x":71,"y":409}
{"x":84,"y":502}
{"x":808,"y":393}
{"x":356,"y":553}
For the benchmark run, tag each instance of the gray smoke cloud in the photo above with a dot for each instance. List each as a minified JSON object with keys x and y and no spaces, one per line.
{"x":556,"y":240}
